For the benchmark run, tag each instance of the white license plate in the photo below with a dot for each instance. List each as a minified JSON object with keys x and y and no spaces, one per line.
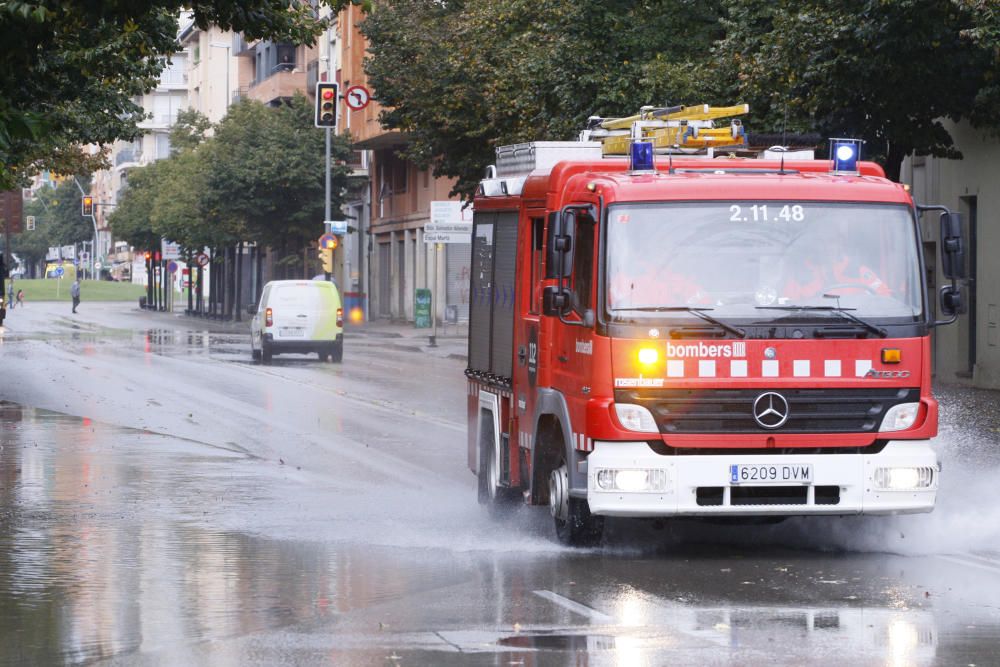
{"x":289,"y":332}
{"x":770,"y":473}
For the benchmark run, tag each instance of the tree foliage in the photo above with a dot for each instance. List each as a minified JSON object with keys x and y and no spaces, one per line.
{"x":69,"y":69}
{"x":460,"y":78}
{"x":260,"y":177}
{"x":887,"y":71}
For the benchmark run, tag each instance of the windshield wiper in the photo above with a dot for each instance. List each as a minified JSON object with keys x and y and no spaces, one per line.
{"x":844,"y":312}
{"x":697,"y":312}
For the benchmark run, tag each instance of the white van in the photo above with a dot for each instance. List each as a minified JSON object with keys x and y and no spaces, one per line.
{"x":297,"y":316}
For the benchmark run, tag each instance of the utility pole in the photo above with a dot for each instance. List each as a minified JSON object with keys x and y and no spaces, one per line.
{"x":93,"y":219}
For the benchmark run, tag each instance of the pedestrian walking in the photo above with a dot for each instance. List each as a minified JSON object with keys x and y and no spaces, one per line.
{"x":20,"y":297}
{"x":10,"y":295}
{"x":74,"y":291}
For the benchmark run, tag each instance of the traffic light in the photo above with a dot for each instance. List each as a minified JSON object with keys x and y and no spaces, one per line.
{"x":88,"y":205}
{"x":326,"y":104}
{"x":326,"y":258}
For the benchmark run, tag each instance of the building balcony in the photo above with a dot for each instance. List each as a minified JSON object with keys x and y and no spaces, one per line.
{"x":283,"y":83}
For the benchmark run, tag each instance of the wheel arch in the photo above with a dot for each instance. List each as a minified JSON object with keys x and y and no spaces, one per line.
{"x":552,"y":437}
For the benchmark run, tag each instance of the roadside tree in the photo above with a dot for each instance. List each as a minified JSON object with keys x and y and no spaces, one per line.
{"x":461,"y":78}
{"x":70,"y":70}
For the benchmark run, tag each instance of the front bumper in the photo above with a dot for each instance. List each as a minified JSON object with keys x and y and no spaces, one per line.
{"x":699,"y":485}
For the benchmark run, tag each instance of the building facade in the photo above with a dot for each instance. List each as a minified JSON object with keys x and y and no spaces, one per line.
{"x":162,"y":105}
{"x":968,"y":351}
{"x":396,"y":208}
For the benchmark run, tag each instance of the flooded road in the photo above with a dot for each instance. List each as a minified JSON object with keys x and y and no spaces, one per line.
{"x":163,"y":501}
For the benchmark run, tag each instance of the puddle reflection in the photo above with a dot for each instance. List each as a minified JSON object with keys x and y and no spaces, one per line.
{"x":93,"y":563}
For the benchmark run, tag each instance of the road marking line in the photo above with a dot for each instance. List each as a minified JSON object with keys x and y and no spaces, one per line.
{"x":969,"y":561}
{"x":575,"y":607}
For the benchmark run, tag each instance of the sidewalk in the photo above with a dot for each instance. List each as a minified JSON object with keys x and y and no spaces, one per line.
{"x":451,"y":341}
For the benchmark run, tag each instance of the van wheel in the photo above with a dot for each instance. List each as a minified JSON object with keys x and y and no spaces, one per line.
{"x":575,"y":525}
{"x":337,"y":352}
{"x":265,"y":353}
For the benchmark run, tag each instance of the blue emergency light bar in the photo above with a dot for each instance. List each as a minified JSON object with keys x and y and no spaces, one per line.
{"x":845,"y":154}
{"x":641,"y":156}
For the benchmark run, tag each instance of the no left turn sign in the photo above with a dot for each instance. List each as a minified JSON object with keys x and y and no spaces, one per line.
{"x":357,"y":98}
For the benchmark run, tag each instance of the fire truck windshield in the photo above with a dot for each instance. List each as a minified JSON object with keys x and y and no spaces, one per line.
{"x":734,"y":257}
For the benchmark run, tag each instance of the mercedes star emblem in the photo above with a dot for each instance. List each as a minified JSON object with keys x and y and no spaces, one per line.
{"x":770,"y":410}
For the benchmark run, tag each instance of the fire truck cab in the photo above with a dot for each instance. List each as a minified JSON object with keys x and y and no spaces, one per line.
{"x":661,"y":334}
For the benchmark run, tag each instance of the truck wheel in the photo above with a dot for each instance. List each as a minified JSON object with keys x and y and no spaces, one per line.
{"x":498,"y":499}
{"x":337,"y":352}
{"x":575,"y":525}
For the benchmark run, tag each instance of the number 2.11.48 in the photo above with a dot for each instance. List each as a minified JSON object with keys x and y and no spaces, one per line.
{"x":761,"y":213}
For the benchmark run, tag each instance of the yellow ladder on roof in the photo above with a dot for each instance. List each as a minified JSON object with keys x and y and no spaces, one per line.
{"x":682,"y":128}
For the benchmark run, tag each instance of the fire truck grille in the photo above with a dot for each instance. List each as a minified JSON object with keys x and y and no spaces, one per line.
{"x":732,"y":410}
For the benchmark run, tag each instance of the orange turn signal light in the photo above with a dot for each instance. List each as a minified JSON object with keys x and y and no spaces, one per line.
{"x":891,"y":355}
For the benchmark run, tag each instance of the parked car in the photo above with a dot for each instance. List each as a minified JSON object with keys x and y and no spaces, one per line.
{"x":300,"y":316}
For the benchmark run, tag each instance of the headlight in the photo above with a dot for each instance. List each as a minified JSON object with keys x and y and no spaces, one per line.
{"x":904,"y":479}
{"x":900,"y":417}
{"x":632,"y":480}
{"x":636,"y":418}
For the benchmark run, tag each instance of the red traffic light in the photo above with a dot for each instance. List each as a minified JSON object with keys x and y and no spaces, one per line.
{"x":146,"y":255}
{"x":326,"y":105}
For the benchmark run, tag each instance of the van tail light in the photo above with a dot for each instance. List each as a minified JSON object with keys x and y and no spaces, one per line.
{"x":340,"y":317}
{"x":268,"y":319}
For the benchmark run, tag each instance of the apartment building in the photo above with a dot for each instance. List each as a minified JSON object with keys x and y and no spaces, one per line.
{"x":162,"y":105}
{"x":399,"y":202}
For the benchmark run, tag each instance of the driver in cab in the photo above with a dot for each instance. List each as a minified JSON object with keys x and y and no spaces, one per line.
{"x":833,"y":268}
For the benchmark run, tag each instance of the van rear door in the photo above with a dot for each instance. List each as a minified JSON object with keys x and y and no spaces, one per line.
{"x":294,"y":310}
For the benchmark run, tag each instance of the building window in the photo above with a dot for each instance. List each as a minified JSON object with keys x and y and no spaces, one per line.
{"x":162,"y":146}
{"x":400,"y":173}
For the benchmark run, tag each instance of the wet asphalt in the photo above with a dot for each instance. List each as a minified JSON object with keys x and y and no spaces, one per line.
{"x":163,"y":501}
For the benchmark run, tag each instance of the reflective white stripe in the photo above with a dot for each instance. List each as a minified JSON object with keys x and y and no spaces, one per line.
{"x":740,"y":368}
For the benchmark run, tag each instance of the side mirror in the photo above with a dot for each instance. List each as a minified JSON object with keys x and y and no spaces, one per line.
{"x":952,"y":246}
{"x":559,"y":252}
{"x":951,"y":301}
{"x":555,"y":301}
{"x":552,"y":231}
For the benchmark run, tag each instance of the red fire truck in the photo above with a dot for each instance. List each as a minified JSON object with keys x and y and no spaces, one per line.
{"x":661,"y":334}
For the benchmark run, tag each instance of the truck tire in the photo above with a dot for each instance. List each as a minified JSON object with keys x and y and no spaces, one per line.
{"x":498,"y":499}
{"x":575,"y":525}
